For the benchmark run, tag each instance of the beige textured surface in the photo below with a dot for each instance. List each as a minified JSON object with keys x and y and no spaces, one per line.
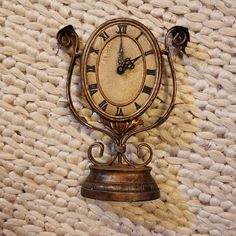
{"x":43,"y":149}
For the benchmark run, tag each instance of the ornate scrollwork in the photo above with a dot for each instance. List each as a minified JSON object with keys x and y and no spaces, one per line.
{"x":178,"y":37}
{"x":121,"y":128}
{"x":67,"y":38}
{"x":139,"y":149}
{"x":93,"y":160}
{"x":120,"y":152}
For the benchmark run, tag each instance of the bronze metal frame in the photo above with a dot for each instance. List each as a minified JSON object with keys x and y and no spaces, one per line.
{"x":121,"y":179}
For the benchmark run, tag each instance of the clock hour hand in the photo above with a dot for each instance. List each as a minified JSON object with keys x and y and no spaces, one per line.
{"x":120,"y":69}
{"x":121,"y":53}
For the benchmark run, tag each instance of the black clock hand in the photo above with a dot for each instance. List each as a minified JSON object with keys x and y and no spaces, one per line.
{"x":130,"y":62}
{"x":120,"y":69}
{"x":121,"y":53}
{"x":127,"y":64}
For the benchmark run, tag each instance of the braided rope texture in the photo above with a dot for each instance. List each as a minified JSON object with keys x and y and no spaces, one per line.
{"x":43,"y":157}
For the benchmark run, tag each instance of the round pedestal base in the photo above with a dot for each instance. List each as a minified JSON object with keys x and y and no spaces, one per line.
{"x":121,"y":183}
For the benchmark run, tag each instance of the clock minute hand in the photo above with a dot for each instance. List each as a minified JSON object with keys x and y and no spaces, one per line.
{"x":129,"y":63}
{"x":136,"y":58}
{"x":120,"y":68}
{"x":121,"y":53}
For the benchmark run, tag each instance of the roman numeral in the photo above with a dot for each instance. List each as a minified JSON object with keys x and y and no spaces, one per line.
{"x":141,"y":33}
{"x":90,"y":68}
{"x":92,"y":88}
{"x":148,"y":52}
{"x":151,"y":72}
{"x":91,"y":50}
{"x":119,"y":112}
{"x":103,"y":105}
{"x":147,"y":90}
{"x":137,"y":106}
{"x":121,"y":29}
{"x":104,"y":35}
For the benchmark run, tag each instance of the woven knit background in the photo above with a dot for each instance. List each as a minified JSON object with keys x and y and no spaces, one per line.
{"x":43,"y":149}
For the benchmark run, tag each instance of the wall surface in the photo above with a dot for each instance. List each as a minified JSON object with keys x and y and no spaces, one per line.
{"x":43,"y":158}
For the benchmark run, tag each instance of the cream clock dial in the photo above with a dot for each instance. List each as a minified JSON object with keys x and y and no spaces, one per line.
{"x":121,"y":69}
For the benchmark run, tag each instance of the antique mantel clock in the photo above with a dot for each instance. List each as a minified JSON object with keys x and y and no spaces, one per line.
{"x":121,"y":73}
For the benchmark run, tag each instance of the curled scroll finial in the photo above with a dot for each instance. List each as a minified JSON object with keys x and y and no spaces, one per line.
{"x":178,"y":37}
{"x":139,"y":149}
{"x":93,"y":160}
{"x":67,"y":38}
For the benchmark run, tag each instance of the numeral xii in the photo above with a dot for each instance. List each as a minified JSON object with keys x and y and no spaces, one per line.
{"x":122,"y":28}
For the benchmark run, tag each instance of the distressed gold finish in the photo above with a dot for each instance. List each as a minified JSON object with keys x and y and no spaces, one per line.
{"x":120,"y":184}
{"x":121,"y":179}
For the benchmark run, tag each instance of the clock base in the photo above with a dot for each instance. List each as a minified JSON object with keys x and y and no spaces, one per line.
{"x":120,"y":183}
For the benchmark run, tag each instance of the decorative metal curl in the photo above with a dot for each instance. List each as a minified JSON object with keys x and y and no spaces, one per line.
{"x":179,"y":40}
{"x":139,"y":148}
{"x":92,"y":159}
{"x":67,"y":38}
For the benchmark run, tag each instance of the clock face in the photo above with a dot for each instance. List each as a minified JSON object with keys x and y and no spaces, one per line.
{"x":121,"y":69}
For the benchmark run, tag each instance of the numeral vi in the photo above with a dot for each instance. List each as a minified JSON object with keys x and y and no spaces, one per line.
{"x":119,"y":112}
